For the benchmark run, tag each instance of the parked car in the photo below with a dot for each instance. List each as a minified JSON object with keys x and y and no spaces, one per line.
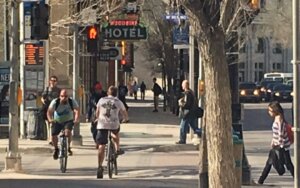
{"x":264,"y":87}
{"x":289,"y":82}
{"x":249,"y":92}
{"x":282,"y":93}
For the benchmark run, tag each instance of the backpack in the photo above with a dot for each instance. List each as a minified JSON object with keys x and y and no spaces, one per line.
{"x":290,"y":132}
{"x":69,"y":100}
{"x":157,"y":89}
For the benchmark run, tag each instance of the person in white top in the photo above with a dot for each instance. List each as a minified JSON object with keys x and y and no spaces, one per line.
{"x":279,"y":155}
{"x":107,"y":115}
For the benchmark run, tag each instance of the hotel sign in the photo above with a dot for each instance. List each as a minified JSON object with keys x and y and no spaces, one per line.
{"x":121,"y":32}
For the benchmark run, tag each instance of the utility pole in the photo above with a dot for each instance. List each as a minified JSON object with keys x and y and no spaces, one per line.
{"x":5,"y":30}
{"x":13,"y":158}
{"x":296,"y":82}
{"x":77,"y":138}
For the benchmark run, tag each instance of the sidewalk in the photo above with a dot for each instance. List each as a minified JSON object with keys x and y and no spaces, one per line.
{"x":156,"y":133}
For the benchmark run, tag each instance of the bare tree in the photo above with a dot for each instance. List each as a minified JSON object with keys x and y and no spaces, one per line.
{"x":159,"y":42}
{"x":212,"y":21}
{"x":82,"y":13}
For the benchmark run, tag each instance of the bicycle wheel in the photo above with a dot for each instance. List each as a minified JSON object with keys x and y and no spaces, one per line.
{"x":63,"y":155}
{"x":115,"y":164}
{"x":114,"y":159}
{"x":110,"y":164}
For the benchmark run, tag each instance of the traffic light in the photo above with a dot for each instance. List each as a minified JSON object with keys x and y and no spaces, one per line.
{"x":40,"y":27}
{"x":254,"y":4}
{"x":92,"y":39}
{"x":123,"y":62}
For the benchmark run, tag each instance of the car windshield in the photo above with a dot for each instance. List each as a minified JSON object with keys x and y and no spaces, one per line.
{"x":282,"y":87}
{"x":247,"y":86}
{"x":266,"y":83}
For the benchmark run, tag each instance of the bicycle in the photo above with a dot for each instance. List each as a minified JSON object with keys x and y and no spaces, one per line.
{"x":63,"y":151}
{"x":111,"y":156}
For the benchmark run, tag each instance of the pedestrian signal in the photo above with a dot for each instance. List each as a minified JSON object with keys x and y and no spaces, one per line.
{"x":92,"y":33}
{"x":92,"y":39}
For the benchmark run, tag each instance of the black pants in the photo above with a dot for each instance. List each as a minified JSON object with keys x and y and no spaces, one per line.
{"x":94,"y":130}
{"x":278,"y":158}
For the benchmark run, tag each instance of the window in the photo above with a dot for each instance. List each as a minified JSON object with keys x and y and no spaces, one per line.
{"x":242,"y":48}
{"x":260,"y":46}
{"x":277,"y":48}
{"x":276,"y":67}
{"x":259,"y":65}
{"x":241,"y":76}
{"x":241,"y":65}
{"x":258,"y":71}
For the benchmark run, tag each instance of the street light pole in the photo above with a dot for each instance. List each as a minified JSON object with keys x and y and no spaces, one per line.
{"x":296,"y":72}
{"x":13,"y":158}
{"x":77,"y":138}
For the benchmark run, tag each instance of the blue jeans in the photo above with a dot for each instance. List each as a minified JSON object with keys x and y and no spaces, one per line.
{"x":184,"y":126}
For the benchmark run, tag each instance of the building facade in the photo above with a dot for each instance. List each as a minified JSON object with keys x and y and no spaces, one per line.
{"x":263,"y":47}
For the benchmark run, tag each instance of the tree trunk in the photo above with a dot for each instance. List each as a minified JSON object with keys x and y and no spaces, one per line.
{"x":218,"y":111}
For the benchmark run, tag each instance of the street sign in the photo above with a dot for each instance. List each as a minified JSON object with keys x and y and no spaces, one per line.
{"x":110,"y":54}
{"x":181,"y":35}
{"x":124,"y":32}
{"x":176,"y":16}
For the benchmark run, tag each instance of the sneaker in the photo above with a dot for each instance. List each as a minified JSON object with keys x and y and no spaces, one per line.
{"x":70,"y":152}
{"x":198,"y":132}
{"x":55,"y":154}
{"x":120,"y":152}
{"x":259,"y":182}
{"x":155,"y":110}
{"x":180,"y":142}
{"x":100,"y":173}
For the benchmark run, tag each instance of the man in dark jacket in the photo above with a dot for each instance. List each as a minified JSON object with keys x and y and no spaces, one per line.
{"x":187,"y":104}
{"x":156,"y":92}
{"x":51,"y":92}
{"x":96,"y":95}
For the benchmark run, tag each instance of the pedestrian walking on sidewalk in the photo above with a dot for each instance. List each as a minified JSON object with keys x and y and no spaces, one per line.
{"x":279,"y":155}
{"x":96,"y":94}
{"x":107,"y":115}
{"x":135,"y":89}
{"x":143,"y":90}
{"x":156,"y":92}
{"x":122,"y":92}
{"x":188,"y":105}
{"x":50,"y":92}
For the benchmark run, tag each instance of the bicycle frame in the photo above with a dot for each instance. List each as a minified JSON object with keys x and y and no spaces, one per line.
{"x":111,"y":157}
{"x":63,"y":151}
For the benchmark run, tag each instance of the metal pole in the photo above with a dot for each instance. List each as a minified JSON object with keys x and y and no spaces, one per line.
{"x":22,"y":73}
{"x":77,"y":138}
{"x":191,"y":69}
{"x":5,"y":31}
{"x":116,"y":70}
{"x":13,"y":158}
{"x":296,"y":71}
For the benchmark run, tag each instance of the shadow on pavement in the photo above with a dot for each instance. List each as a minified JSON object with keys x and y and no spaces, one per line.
{"x":96,"y":183}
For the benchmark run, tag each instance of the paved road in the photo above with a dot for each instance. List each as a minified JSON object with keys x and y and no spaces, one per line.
{"x":152,"y":160}
{"x":256,"y":117}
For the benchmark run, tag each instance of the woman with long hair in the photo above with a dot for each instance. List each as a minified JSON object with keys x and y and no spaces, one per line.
{"x":280,"y":144}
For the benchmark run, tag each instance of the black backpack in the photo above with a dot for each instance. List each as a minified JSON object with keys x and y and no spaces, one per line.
{"x":58,"y":101}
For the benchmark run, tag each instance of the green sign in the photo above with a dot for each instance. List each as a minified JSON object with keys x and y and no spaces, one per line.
{"x":136,"y":32}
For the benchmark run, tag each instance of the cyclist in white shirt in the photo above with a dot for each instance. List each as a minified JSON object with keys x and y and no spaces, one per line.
{"x":107,"y":115}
